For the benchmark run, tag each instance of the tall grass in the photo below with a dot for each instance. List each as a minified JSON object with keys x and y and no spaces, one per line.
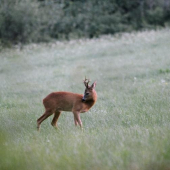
{"x":128,"y":128}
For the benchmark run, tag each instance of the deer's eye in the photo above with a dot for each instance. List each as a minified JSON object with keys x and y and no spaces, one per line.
{"x":87,"y":93}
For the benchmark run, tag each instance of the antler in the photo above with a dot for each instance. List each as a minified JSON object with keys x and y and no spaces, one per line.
{"x":86,"y":82}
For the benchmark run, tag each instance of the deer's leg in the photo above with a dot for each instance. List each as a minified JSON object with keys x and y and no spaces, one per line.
{"x":77,"y":119}
{"x":43,"y":117}
{"x":55,"y":119}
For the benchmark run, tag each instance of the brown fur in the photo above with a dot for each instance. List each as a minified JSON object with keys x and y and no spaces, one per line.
{"x":57,"y":102}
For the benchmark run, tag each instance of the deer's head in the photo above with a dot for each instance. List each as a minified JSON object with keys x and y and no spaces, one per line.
{"x":89,"y":93}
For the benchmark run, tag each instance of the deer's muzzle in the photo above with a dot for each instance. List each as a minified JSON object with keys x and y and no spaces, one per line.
{"x":83,"y":99}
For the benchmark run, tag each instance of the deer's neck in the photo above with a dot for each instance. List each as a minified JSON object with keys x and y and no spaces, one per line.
{"x":90,"y":103}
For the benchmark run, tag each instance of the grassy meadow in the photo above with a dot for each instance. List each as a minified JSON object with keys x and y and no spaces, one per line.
{"x":127,"y":129}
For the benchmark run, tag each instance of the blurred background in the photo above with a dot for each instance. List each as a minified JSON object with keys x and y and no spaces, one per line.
{"x":25,"y":21}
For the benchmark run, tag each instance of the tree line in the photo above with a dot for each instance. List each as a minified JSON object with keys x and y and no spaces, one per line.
{"x":25,"y":21}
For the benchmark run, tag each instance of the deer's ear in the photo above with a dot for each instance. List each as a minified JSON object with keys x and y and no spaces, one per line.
{"x":93,"y":85}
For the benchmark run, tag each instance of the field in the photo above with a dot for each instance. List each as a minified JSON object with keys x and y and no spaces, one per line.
{"x":127,"y":129}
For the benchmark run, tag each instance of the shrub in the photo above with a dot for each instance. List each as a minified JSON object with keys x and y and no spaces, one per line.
{"x":156,"y":16}
{"x":18,"y":21}
{"x":24,"y":21}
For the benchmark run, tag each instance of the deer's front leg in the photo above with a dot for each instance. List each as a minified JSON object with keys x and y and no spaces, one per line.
{"x":77,"y":119}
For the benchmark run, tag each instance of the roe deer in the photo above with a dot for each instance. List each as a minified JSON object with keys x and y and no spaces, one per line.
{"x":57,"y":102}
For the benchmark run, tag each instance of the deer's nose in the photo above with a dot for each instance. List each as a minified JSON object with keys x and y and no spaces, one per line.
{"x":83,"y":99}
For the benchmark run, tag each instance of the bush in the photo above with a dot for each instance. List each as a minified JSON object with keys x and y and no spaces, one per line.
{"x":24,"y":21}
{"x":156,"y":16}
{"x":19,"y":21}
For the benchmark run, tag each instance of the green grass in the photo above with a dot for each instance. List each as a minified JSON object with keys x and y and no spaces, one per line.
{"x":128,"y":128}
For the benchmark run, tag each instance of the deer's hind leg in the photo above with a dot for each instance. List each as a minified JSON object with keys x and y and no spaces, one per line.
{"x":55,"y":118}
{"x":43,"y":117}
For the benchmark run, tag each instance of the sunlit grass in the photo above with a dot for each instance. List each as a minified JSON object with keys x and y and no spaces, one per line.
{"x":128,"y":128}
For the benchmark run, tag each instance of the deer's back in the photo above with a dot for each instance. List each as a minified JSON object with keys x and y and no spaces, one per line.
{"x":63,"y":101}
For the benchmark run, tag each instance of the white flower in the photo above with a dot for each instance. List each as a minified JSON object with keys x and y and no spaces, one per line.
{"x":162,"y":81}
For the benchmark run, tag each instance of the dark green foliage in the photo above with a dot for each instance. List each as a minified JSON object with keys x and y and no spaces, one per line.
{"x":18,"y":21}
{"x":23,"y":21}
{"x":164,"y":71}
{"x":156,"y":16}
